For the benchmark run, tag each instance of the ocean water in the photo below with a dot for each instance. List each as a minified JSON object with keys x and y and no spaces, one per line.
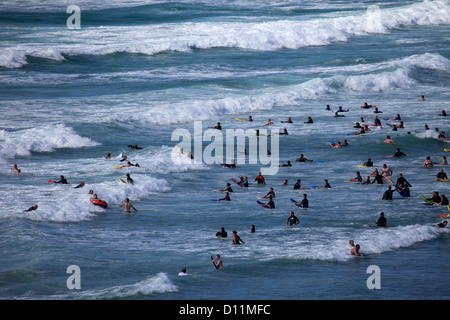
{"x":136,"y":72}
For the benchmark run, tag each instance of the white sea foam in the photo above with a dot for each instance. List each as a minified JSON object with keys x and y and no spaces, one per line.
{"x":264,"y":35}
{"x":42,"y":139}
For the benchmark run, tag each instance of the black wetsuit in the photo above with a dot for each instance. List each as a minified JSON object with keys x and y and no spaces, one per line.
{"x":293,"y":220}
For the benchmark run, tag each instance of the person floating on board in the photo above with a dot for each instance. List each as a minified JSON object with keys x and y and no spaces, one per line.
{"x":303,"y":159}
{"x":243,"y":181}
{"x":271,"y":193}
{"x":355,"y":251}
{"x":381,"y":221}
{"x":31,"y":208}
{"x":81,"y":185}
{"x":183,"y":272}
{"x":289,"y":120}
{"x":237,"y":239}
{"x":127,"y":206}
{"x":226,"y":198}
{"x":309,"y":120}
{"x":288,"y":164}
{"x":325,"y":186}
{"x":218,"y":264}
{"x":62,"y":180}
{"x":129,"y":180}
{"x":435,"y":197}
{"x":442,"y":224}
{"x":268,"y":123}
{"x":397,"y":154}
{"x":441,"y":136}
{"x":222,"y":233}
{"x":218,"y":126}
{"x":441,"y":175}
{"x":305,"y":202}
{"x":443,"y":201}
{"x":229,"y":165}
{"x":292,"y":220}
{"x":227,"y":188}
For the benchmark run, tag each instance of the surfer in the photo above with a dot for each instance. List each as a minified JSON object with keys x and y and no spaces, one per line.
{"x":292,"y":220}
{"x":441,"y":175}
{"x":377,"y":177}
{"x":442,"y":224}
{"x":227,"y":188}
{"x":283,"y":133}
{"x":387,"y":195}
{"x":15,"y":167}
{"x":237,"y":239}
{"x":298,"y":185}
{"x":443,"y":201}
{"x":183,"y":272}
{"x":309,"y":120}
{"x":325,"y":186}
{"x":386,"y":171}
{"x":366,"y":106}
{"x":31,"y":208}
{"x":441,"y":136}
{"x":381,"y":221}
{"x":129,"y":180}
{"x":271,"y":193}
{"x":435,"y":197}
{"x":428,"y":163}
{"x":81,"y":185}
{"x":303,"y":159}
{"x":358,"y":177}
{"x":402,"y":185}
{"x":62,"y":180}
{"x":305,"y":201}
{"x":288,"y":164}
{"x":218,"y":126}
{"x":397,"y":154}
{"x":355,"y":251}
{"x":289,"y":120}
{"x":127,"y":206}
{"x":218,"y":264}
{"x":368,"y":163}
{"x":444,"y":160}
{"x":243,"y":182}
{"x":443,"y":113}
{"x":389,"y":140}
{"x":268,"y":123}
{"x":229,"y":165}
{"x":222,"y":233}
{"x":226,"y":198}
{"x":397,"y":117}
{"x":377,"y":111}
{"x":260,"y":179}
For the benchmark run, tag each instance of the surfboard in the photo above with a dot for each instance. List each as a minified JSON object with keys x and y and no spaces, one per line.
{"x":297,"y":203}
{"x":51,"y":181}
{"x":387,"y":180}
{"x":403,"y":194}
{"x":237,"y":182}
{"x":447,"y":150}
{"x":360,"y":165}
{"x":117,"y":167}
{"x":442,"y":180}
{"x":100,"y":203}
{"x":238,"y":119}
{"x":426,"y":200}
{"x":120,"y":179}
{"x":264,"y":205}
{"x":444,"y":216}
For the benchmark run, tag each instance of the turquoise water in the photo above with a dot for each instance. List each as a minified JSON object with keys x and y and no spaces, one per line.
{"x":135,"y":73}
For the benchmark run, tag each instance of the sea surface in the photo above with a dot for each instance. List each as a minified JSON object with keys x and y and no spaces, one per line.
{"x":139,"y":72}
